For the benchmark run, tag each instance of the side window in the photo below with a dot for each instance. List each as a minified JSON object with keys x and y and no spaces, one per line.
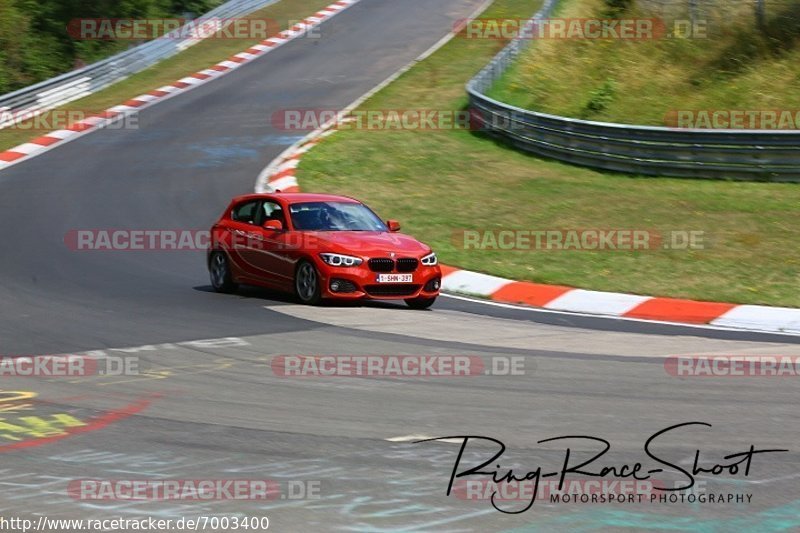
{"x":245,"y":212}
{"x":271,"y":211}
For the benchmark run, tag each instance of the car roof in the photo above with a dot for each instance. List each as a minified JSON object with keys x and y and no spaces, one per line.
{"x":297,"y":197}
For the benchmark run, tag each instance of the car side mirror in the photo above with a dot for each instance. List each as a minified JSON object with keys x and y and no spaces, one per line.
{"x":275,"y":225}
{"x":393,"y":225}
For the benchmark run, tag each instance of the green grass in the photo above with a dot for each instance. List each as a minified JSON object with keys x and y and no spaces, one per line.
{"x":198,"y":57}
{"x":437,"y":183}
{"x":735,"y":66}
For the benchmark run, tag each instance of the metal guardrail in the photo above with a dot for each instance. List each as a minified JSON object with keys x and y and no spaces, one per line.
{"x":73,"y":85}
{"x":656,"y":151}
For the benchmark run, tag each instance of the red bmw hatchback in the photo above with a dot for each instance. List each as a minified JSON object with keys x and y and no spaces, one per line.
{"x":319,"y":246}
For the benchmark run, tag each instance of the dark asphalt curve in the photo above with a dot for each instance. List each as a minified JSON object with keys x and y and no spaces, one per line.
{"x":219,"y":410}
{"x":190,"y":155}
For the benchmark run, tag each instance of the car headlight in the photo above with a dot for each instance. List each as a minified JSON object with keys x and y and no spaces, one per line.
{"x":339,"y":260}
{"x":430,"y":260}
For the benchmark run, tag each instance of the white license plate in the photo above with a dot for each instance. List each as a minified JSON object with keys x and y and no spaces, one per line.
{"x":395,"y":278}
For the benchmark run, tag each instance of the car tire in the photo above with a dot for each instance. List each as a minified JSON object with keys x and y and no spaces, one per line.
{"x":219,"y":269}
{"x":307,"y":283}
{"x":420,"y":303}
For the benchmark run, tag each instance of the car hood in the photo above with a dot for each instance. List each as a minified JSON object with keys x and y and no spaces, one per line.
{"x":366,"y":243}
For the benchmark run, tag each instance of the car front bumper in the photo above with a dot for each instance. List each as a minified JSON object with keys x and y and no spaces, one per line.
{"x":355,"y":283}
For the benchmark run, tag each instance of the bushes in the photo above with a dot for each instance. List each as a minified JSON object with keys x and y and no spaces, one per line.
{"x":615,"y":7}
{"x":600,"y":98}
{"x":34,"y":44}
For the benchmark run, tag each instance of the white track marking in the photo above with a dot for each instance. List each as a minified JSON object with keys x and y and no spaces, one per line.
{"x":414,"y":438}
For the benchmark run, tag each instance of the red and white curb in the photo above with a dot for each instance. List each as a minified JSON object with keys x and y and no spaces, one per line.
{"x":559,"y":298}
{"x":56,"y":138}
{"x":281,"y":176}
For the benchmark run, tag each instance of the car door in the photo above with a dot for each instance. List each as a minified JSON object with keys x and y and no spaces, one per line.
{"x":272,"y":257}
{"x":244,"y":239}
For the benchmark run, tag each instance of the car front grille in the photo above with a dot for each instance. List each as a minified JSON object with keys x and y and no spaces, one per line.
{"x":392,"y":289}
{"x":381,"y":264}
{"x":384,"y":264}
{"x":407,"y":265}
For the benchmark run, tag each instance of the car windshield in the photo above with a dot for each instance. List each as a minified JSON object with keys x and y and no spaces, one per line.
{"x":334,"y":216}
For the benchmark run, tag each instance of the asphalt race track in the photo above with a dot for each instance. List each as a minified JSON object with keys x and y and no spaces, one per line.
{"x":216,"y":410}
